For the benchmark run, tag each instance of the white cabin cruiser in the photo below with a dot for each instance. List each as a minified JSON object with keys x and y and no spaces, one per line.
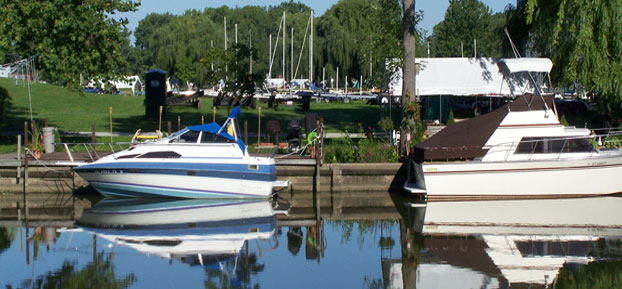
{"x":201,"y":161}
{"x":517,"y":151}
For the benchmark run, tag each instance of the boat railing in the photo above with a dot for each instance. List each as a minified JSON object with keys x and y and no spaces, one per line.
{"x":92,"y":150}
{"x":610,"y":139}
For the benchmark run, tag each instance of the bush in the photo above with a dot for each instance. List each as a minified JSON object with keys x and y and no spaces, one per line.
{"x":563,"y":120}
{"x":5,"y":101}
{"x":450,"y":118}
{"x":365,"y":150}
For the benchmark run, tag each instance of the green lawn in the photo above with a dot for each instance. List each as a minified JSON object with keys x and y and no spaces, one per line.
{"x":72,"y":112}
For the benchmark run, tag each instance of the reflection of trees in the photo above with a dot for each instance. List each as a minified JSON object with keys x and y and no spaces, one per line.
{"x":364,"y":228}
{"x":7,"y":235}
{"x":98,"y":274}
{"x":596,"y":275}
{"x":232,"y":271}
{"x":370,"y":283}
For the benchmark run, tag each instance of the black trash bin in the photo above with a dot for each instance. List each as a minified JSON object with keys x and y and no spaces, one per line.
{"x":155,"y":93}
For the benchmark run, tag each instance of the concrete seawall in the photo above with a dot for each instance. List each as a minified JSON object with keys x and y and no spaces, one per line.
{"x":334,"y":178}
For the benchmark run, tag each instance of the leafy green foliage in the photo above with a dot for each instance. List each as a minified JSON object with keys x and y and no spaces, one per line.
{"x":466,"y":20}
{"x":595,"y":275}
{"x":72,"y":38}
{"x":450,"y":118}
{"x":349,"y":35}
{"x":563,"y":120}
{"x":583,"y":40}
{"x":5,"y":102}
{"x":365,"y":150}
{"x":98,"y":274}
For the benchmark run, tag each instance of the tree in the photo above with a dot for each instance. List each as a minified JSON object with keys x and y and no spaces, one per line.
{"x":72,"y":38}
{"x":409,"y":106}
{"x":464,"y":22}
{"x":583,"y":40}
{"x":5,"y":102}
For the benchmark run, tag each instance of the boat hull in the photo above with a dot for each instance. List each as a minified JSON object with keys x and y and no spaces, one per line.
{"x":206,"y":181}
{"x":554,"y":178}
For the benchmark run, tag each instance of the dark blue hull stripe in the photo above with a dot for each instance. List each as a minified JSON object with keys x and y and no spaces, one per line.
{"x":183,"y":166}
{"x":233,"y":175}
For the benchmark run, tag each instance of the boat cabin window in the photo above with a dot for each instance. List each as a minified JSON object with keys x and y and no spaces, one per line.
{"x":188,"y":137}
{"x":210,"y":137}
{"x":553,"y":145}
{"x":160,"y":155}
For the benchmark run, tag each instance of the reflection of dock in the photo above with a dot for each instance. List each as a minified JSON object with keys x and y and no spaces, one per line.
{"x":52,"y":210}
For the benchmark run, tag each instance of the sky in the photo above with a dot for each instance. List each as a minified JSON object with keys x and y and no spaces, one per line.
{"x":433,"y":10}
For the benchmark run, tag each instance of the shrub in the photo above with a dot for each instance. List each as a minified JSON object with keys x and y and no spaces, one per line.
{"x":450,"y":118}
{"x":5,"y":101}
{"x":563,"y":120}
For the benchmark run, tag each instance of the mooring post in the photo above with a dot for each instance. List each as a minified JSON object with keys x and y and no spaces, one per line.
{"x":169,"y":128}
{"x":19,"y":158}
{"x":214,"y":114}
{"x":25,"y":176}
{"x":258,"y":125}
{"x":246,"y":132}
{"x":317,"y":175}
{"x":178,"y":123}
{"x":25,"y":134}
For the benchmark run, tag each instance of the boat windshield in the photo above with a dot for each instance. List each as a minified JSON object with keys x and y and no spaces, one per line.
{"x":178,"y":133}
{"x":210,"y":137}
{"x":553,"y":145}
{"x":189,"y":136}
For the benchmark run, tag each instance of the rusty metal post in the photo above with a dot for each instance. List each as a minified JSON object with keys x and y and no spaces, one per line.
{"x":246,"y":132}
{"x":25,"y":134}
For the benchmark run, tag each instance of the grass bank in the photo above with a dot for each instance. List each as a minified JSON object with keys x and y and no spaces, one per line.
{"x":73,"y":112}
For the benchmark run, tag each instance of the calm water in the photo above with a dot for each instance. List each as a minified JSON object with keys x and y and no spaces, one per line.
{"x":360,"y":241}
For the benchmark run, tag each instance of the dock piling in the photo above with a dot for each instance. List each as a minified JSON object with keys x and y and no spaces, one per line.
{"x":19,"y":158}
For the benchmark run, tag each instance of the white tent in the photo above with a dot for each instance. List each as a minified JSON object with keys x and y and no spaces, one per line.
{"x":469,"y":76}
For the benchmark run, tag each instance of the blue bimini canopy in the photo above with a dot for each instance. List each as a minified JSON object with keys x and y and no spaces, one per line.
{"x":215,"y":128}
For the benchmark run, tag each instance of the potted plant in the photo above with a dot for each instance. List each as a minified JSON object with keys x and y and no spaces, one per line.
{"x":36,"y":146}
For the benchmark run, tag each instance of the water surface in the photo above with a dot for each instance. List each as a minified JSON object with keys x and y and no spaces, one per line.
{"x":358,"y":241}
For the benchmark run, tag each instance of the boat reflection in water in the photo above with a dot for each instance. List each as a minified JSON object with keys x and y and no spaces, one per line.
{"x":210,"y":233}
{"x":503,"y":244}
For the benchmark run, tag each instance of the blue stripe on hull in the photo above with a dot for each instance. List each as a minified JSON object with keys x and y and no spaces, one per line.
{"x":181,"y":166}
{"x":133,"y":190}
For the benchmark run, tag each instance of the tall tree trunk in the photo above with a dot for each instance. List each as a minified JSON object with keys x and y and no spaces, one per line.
{"x":408,"y":86}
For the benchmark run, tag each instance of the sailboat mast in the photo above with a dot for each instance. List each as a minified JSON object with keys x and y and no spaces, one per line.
{"x":284,"y":45}
{"x":311,"y":50}
{"x":226,"y":64}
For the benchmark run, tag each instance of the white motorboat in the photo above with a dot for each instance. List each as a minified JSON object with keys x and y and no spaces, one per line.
{"x":519,"y":150}
{"x":202,"y":161}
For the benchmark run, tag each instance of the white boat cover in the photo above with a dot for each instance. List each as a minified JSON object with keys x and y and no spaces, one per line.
{"x":514,"y":65}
